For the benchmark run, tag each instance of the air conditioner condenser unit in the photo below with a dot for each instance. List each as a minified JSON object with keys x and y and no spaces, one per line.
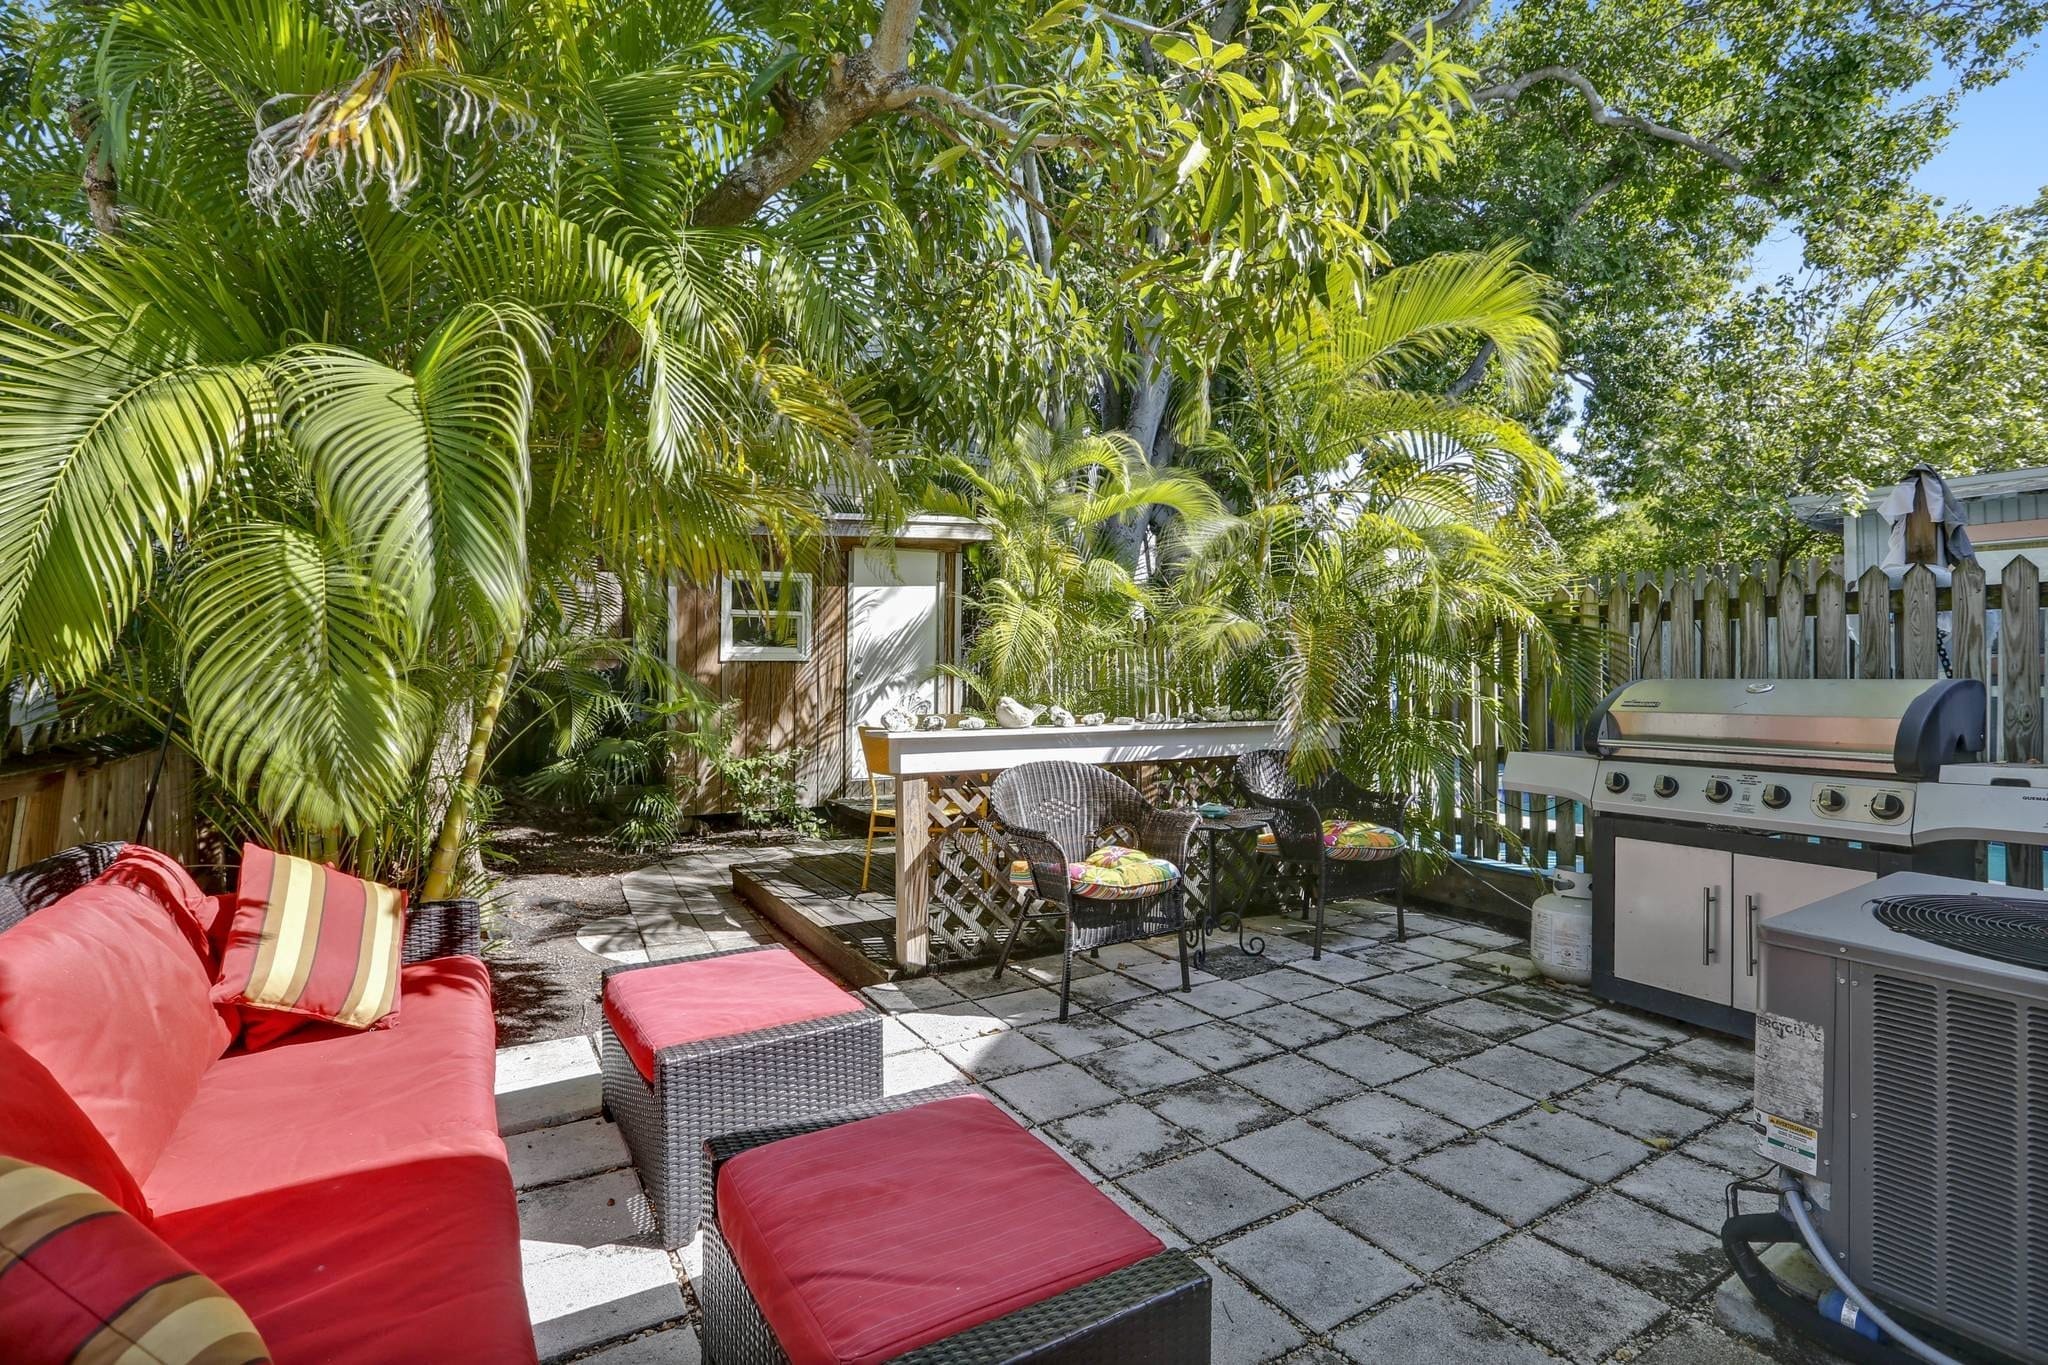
{"x":1902,"y":1074}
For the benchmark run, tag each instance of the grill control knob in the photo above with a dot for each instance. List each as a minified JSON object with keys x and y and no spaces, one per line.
{"x":1777,"y":797}
{"x":1617,"y":782}
{"x":1718,"y":790}
{"x":1829,"y":801}
{"x":1666,"y":785}
{"x":1887,"y":806}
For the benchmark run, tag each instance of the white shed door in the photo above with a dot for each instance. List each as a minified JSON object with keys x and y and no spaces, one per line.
{"x":892,"y":639}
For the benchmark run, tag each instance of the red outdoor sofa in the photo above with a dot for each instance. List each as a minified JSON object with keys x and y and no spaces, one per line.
{"x":348,"y":1189}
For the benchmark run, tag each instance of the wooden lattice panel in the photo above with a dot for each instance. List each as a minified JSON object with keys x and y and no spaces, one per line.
{"x":972,"y":906}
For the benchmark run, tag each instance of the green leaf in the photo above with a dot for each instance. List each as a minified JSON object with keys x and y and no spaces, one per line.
{"x":424,"y":475}
{"x":945,"y":159}
{"x":108,"y":445}
{"x":295,"y":676}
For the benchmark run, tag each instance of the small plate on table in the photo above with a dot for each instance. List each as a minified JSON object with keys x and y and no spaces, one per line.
{"x":1212,"y":810}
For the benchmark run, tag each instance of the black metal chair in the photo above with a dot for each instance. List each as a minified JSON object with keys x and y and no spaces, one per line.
{"x":1298,"y":856}
{"x":1054,"y":814}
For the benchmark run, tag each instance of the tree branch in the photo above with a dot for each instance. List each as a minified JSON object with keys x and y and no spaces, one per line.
{"x":102,"y":193}
{"x":890,"y":45}
{"x":1507,"y":92}
{"x":1474,"y":372}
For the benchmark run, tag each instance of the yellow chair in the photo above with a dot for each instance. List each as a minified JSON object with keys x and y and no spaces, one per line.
{"x":874,"y":748}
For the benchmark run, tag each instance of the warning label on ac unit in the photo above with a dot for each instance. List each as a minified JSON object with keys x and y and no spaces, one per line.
{"x":1788,"y":1144}
{"x":1791,"y":1090}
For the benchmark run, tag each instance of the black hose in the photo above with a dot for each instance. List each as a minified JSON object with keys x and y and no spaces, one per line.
{"x":1738,"y":1235}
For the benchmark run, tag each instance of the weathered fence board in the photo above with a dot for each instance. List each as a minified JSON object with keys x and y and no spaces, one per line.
{"x":49,"y":806}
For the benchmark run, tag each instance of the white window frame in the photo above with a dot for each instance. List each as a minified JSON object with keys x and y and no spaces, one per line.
{"x":771,"y":582}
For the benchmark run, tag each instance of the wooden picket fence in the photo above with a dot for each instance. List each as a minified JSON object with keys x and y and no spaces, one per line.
{"x":50,"y":805}
{"x":1763,"y":622}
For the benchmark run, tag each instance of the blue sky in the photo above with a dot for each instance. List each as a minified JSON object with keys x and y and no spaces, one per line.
{"x":1994,"y":159}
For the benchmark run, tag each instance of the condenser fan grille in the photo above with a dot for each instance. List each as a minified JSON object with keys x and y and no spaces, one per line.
{"x":1988,"y":926}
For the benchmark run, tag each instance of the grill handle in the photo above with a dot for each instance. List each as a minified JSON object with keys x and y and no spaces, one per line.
{"x":1749,"y":904}
{"x":1710,"y":902}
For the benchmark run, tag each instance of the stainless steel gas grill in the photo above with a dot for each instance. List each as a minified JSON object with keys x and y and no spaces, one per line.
{"x":1717,"y":805}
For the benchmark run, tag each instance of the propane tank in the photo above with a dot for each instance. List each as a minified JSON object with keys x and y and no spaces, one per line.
{"x":1561,"y":929}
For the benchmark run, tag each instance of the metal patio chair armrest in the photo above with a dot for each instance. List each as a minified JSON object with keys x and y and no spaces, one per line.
{"x":445,"y":928}
{"x":1168,"y":834}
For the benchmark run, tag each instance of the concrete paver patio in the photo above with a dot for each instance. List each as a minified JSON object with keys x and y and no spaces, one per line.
{"x":1408,"y":1153}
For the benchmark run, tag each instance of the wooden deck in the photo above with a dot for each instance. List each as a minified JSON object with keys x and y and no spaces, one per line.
{"x":816,"y":899}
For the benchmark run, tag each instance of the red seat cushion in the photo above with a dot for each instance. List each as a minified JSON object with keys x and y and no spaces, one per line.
{"x":716,"y":997}
{"x":329,"y":1100}
{"x":873,"y":1238}
{"x":413,"y":1261}
{"x":106,"y":989}
{"x":39,"y":1124}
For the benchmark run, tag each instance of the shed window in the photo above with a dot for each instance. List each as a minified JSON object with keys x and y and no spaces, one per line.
{"x":766,"y":616}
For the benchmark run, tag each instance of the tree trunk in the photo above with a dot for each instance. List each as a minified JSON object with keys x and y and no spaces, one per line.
{"x":441,"y":871}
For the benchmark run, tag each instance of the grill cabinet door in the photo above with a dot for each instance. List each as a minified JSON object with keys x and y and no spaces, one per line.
{"x":1770,"y":886}
{"x":1671,"y":918}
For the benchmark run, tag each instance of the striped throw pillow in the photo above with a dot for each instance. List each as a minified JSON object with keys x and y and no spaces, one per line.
{"x":81,"y":1283}
{"x":310,"y":941}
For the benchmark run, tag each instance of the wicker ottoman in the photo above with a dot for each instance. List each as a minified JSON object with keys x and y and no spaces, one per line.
{"x":721,"y":1042}
{"x":931,"y":1228}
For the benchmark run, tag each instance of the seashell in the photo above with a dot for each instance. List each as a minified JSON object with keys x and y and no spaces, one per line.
{"x":1213,"y":713}
{"x":933,"y":722}
{"x":1155,"y":718}
{"x":973,"y":723}
{"x":1094,"y":718}
{"x":1015,"y":715}
{"x":896,"y":718}
{"x":1125,"y":720}
{"x":1243,"y":715}
{"x":1059,"y":715}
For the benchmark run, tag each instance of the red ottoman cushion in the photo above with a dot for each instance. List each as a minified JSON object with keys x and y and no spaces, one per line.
{"x":716,"y":997}
{"x":871,"y":1239}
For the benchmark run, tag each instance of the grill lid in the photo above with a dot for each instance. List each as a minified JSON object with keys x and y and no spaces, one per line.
{"x":1904,"y":728}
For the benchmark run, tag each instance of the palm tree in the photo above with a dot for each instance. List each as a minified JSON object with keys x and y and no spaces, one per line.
{"x":1385,"y":539}
{"x":336,"y":398}
{"x":1052,"y":597}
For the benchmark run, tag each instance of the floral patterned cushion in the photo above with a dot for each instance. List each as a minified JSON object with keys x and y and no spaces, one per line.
{"x":1348,"y":839}
{"x":1113,"y":873}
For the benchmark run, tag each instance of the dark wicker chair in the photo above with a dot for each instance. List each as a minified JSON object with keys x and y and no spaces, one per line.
{"x":1057,"y":813}
{"x":1156,"y":1312}
{"x":1298,"y":859}
{"x":447,"y":928}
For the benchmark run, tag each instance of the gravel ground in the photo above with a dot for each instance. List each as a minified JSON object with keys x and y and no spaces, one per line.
{"x":557,"y":874}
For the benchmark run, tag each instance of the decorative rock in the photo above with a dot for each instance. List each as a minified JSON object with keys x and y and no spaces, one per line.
{"x":1015,"y":715}
{"x":1215,"y":713}
{"x":973,"y":723}
{"x":896,"y":718}
{"x":1125,"y":720}
{"x":1059,"y":715}
{"x":1155,"y":718}
{"x":932,"y":723}
{"x":1242,"y":715}
{"x":1095,"y":718}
